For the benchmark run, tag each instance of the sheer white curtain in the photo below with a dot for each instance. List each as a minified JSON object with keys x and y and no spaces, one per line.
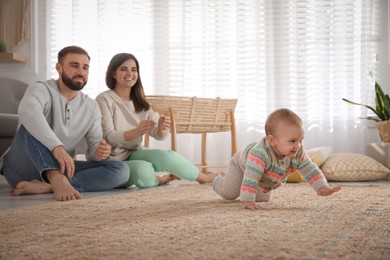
{"x":302,"y":54}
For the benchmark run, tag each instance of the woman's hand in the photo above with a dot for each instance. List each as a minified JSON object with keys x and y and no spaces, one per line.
{"x":164,"y":122}
{"x":145,"y":126}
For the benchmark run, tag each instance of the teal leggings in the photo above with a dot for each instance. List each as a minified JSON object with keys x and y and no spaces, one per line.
{"x":144,"y":163}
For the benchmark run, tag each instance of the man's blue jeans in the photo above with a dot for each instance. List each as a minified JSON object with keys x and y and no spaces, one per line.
{"x":27,"y":159}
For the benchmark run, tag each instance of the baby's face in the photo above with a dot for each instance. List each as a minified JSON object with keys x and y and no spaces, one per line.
{"x":288,"y":140}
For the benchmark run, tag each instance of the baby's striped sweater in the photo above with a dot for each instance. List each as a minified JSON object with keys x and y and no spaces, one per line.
{"x":263,"y":171}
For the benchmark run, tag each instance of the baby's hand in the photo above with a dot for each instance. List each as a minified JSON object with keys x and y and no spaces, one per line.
{"x":327,"y":190}
{"x":251,"y":205}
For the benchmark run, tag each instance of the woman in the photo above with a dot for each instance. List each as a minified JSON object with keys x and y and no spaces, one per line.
{"x":127,"y":117}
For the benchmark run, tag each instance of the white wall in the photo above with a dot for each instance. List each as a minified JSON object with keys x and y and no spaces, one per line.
{"x":384,"y":54}
{"x":34,"y":49}
{"x":36,"y":69}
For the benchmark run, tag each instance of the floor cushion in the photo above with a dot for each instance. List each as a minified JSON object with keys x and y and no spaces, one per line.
{"x":353,"y":167}
{"x":317,"y":155}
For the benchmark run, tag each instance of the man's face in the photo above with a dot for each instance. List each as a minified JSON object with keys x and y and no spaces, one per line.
{"x":74,"y":71}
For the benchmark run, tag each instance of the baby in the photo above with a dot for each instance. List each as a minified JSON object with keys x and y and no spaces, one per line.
{"x":262,"y":167}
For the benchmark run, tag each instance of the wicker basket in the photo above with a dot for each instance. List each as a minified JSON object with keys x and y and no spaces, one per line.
{"x":384,"y":130}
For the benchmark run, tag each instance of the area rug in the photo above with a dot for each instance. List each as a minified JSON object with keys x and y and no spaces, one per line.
{"x":190,"y":221}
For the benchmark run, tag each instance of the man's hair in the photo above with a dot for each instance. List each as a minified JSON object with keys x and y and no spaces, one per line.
{"x":71,"y":49}
{"x":281,"y":115}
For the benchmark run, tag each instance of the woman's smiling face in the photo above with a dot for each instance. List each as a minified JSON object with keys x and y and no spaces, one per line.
{"x":127,"y":74}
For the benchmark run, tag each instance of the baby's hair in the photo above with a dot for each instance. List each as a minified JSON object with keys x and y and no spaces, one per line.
{"x":281,"y":115}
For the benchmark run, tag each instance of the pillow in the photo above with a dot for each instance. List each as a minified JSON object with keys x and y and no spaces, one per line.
{"x":317,"y":155}
{"x":353,"y":167}
{"x":295,"y":177}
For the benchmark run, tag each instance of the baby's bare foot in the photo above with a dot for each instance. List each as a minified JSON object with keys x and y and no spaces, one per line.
{"x":31,"y":187}
{"x":62,"y":189}
{"x":164,"y":178}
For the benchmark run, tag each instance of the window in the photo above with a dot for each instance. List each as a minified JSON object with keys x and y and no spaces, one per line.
{"x":304,"y":55}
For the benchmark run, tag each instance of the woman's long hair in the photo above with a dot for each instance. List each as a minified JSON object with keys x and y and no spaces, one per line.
{"x":137,"y":94}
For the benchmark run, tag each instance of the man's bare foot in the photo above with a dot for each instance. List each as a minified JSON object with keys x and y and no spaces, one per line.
{"x":62,"y":189}
{"x":163,"y":178}
{"x":206,"y":177}
{"x":31,"y":187}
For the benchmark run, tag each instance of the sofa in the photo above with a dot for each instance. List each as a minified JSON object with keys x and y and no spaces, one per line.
{"x":11,"y":92}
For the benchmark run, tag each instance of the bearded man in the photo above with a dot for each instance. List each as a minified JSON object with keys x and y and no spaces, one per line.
{"x":54,"y":116}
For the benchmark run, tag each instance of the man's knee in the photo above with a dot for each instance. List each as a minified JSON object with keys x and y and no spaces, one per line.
{"x":120,"y":168}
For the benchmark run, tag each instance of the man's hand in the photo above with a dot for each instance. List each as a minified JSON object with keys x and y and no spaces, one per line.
{"x":251,"y":205}
{"x":65,"y":160}
{"x":103,"y":150}
{"x":327,"y":190}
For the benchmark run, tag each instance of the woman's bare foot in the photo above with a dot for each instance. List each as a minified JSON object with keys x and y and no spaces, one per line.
{"x":206,"y":177}
{"x":62,"y":189}
{"x":221,"y":174}
{"x":174,"y":177}
{"x":31,"y":187}
{"x":164,"y":178}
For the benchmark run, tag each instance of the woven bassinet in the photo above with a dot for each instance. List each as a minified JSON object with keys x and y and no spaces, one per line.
{"x":195,"y":115}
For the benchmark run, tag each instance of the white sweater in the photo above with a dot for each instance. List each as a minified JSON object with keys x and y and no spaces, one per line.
{"x":119,"y":116}
{"x":53,"y":120}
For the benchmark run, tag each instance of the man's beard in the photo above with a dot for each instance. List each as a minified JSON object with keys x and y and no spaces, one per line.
{"x":70,"y":84}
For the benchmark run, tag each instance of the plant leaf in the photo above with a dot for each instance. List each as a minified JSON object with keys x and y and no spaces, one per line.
{"x":387,"y":106}
{"x":358,"y":104}
{"x":379,"y":101}
{"x":379,"y":105}
{"x":383,"y":103}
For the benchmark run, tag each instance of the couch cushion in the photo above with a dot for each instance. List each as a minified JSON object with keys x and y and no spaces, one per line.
{"x":11,"y":92}
{"x":9,"y":123}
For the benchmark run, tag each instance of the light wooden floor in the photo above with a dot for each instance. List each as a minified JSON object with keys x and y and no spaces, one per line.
{"x":8,"y":202}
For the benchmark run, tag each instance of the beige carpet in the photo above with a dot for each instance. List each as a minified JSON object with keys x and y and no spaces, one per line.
{"x":192,"y":222}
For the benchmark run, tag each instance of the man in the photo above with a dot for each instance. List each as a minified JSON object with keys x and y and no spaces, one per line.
{"x":54,"y":116}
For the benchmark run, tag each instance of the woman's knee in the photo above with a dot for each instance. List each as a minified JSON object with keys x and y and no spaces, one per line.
{"x":168,"y":161}
{"x":142,"y":174}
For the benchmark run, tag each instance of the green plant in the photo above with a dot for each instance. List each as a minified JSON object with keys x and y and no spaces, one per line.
{"x":382,"y":105}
